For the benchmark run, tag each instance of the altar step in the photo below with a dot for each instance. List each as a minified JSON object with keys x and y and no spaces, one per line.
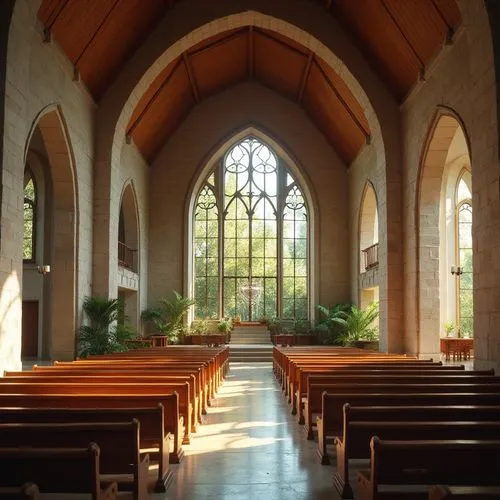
{"x":250,"y":335}
{"x":253,"y":354}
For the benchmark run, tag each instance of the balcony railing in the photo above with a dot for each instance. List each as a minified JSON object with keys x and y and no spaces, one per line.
{"x":126,"y":257}
{"x":370,"y":255}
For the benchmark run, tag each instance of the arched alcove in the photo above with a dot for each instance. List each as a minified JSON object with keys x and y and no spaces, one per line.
{"x":129,"y":255}
{"x":368,"y":229}
{"x":59,"y":239}
{"x":444,"y":151}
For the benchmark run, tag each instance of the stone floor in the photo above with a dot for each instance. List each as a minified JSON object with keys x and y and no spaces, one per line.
{"x":250,"y":447}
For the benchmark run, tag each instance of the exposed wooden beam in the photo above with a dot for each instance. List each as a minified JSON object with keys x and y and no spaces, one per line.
{"x":54,"y":15}
{"x":403,"y":34}
{"x":220,"y":41}
{"x":165,"y":82}
{"x":251,"y":53}
{"x":305,"y":76}
{"x":191,"y":77}
{"x":96,"y":32}
{"x":354,"y":118}
{"x":281,"y":42}
{"x":450,"y":32}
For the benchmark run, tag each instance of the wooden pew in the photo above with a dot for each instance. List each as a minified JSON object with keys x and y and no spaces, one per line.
{"x":410,"y":467}
{"x":384,"y":375}
{"x":28,"y":491}
{"x":332,"y":404}
{"x":137,"y":363}
{"x":355,"y":442}
{"x":292,"y":377}
{"x":328,"y":430}
{"x":151,"y":372}
{"x":124,"y":377}
{"x":116,"y":389}
{"x":67,"y":470}
{"x":170,"y":402}
{"x":119,"y":445}
{"x":442,"y":492}
{"x":153,"y":438}
{"x":313,"y":403}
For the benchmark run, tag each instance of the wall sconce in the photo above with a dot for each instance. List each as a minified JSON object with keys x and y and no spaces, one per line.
{"x":456,"y":270}
{"x":45,"y":269}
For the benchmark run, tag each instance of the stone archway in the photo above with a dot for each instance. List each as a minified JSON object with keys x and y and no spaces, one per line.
{"x":62,"y":248}
{"x":431,"y":178}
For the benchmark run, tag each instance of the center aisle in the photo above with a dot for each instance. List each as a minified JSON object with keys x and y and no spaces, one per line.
{"x":250,"y":447}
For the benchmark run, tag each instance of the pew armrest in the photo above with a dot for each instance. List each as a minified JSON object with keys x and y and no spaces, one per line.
{"x":365,"y":487}
{"x":109,"y":491}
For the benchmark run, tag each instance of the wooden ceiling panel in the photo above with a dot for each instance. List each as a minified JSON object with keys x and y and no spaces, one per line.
{"x":345,"y":95}
{"x":285,"y":40}
{"x":278,"y":65}
{"x":450,"y":11}
{"x":381,"y":41}
{"x":220,"y":65}
{"x":150,"y":95}
{"x":421,"y":23}
{"x":75,"y":23}
{"x":331,"y":116}
{"x":162,"y":118}
{"x":104,"y":57}
{"x":48,"y":11}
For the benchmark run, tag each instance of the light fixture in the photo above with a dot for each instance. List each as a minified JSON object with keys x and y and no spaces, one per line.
{"x":456,"y":270}
{"x":45,"y":269}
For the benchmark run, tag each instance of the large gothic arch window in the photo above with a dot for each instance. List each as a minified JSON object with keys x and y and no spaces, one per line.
{"x":251,"y":234}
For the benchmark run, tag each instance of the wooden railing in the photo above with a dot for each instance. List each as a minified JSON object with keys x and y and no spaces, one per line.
{"x":126,"y":257}
{"x":371,"y":256}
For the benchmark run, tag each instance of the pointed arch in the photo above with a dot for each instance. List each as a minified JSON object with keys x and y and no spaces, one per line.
{"x":447,"y":136}
{"x":61,"y":236}
{"x":368,"y":228}
{"x":128,"y":229}
{"x":260,"y":212}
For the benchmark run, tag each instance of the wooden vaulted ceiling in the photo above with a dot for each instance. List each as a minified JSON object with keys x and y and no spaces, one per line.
{"x":233,"y":57}
{"x":399,"y":38}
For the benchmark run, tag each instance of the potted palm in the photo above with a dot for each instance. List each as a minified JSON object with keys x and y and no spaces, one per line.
{"x":357,"y":326}
{"x":168,"y":317}
{"x":102,"y":332}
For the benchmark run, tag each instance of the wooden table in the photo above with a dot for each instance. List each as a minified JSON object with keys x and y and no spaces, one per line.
{"x":457,"y":347}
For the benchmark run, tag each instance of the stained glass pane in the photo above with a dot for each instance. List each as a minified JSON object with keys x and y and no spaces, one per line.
{"x":29,"y":217}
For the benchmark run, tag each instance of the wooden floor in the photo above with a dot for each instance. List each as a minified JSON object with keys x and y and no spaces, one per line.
{"x":250,"y":447}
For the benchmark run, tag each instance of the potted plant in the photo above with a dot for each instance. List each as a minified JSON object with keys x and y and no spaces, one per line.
{"x":329,"y":331}
{"x":103,"y":334}
{"x":237,"y":320}
{"x":168,"y":317}
{"x":449,"y":329}
{"x":225,"y":326}
{"x":357,"y":326}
